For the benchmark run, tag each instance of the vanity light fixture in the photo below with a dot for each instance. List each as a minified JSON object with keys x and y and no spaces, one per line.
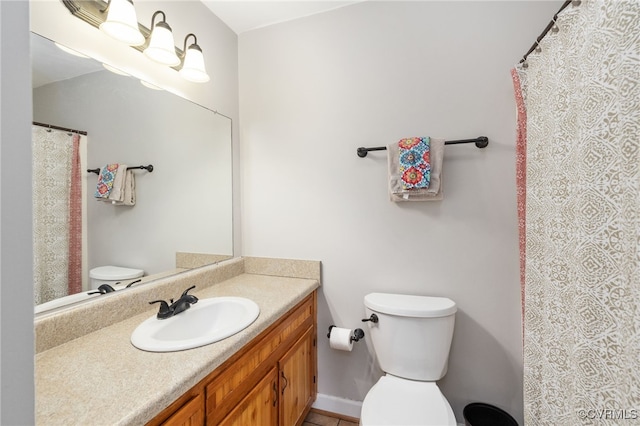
{"x":193,"y":62}
{"x":119,"y":20}
{"x":69,"y":50}
{"x":122,"y":22}
{"x":150,"y":86}
{"x":161,"y":45}
{"x":115,"y":70}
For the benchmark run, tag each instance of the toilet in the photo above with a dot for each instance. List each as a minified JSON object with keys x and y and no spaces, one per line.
{"x":112,"y":275}
{"x":411,"y":337}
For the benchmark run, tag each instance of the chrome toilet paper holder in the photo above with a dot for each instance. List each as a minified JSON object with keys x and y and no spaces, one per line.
{"x":358,"y":334}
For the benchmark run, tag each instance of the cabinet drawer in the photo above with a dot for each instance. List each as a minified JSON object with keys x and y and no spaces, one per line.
{"x":238,"y":375}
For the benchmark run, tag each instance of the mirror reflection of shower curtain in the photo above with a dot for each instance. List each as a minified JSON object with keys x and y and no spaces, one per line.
{"x":58,"y":206}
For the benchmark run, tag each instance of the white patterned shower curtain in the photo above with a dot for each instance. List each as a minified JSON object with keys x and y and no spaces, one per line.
{"x":582,"y":275}
{"x":57,"y":213}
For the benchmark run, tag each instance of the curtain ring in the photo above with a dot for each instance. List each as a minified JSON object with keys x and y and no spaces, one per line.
{"x":538,"y":48}
{"x":555,"y":27}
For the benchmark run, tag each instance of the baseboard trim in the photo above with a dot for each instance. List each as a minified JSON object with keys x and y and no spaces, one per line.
{"x":342,"y":408}
{"x":336,"y":415}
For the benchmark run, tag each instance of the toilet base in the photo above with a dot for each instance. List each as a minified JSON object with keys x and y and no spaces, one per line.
{"x":395,"y":401}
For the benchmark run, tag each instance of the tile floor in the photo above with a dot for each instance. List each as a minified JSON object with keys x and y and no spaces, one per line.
{"x":317,"y":419}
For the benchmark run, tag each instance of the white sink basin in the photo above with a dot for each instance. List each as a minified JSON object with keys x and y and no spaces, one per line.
{"x":209,"y":320}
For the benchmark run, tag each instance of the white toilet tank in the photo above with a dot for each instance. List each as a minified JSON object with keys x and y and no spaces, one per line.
{"x":112,"y":274}
{"x":413,"y":334}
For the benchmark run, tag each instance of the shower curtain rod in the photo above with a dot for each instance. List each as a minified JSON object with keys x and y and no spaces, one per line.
{"x":64,"y":129}
{"x":548,"y":28}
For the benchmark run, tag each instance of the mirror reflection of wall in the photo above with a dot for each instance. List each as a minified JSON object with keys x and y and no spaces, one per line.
{"x":184,"y":205}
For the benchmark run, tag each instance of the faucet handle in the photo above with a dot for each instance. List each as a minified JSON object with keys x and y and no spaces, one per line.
{"x":189,"y":298}
{"x":184,"y":293}
{"x":165,"y":311}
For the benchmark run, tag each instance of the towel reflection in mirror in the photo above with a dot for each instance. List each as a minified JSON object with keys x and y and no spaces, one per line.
{"x":117,"y":185}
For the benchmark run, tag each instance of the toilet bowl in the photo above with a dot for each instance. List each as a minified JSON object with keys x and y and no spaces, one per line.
{"x":411,"y":337}
{"x":401,"y":402}
{"x":112,"y":275}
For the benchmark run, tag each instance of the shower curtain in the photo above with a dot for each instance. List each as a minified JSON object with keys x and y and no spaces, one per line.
{"x":582,"y":254}
{"x":57,"y":213}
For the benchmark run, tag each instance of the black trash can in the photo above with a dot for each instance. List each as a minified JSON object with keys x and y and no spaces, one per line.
{"x":481,"y":414}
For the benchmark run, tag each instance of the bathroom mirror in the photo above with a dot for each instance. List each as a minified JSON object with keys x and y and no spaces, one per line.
{"x":183,"y":206}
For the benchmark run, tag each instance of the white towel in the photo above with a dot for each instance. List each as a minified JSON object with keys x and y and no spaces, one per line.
{"x":129,"y":198}
{"x":434,"y":192}
{"x":117,"y":192}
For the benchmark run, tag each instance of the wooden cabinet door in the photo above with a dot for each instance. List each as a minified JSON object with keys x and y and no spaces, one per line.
{"x":259,"y":407}
{"x":190,"y":414}
{"x":296,"y":380}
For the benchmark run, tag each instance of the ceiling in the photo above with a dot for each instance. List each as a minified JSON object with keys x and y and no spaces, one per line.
{"x":242,"y":16}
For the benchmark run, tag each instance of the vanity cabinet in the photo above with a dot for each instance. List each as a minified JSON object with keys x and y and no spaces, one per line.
{"x":297,"y":381}
{"x":190,"y":413}
{"x":259,"y":407}
{"x":271,"y":381}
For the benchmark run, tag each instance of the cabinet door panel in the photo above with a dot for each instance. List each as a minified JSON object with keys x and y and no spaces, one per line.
{"x":190,"y":414}
{"x":259,"y":407}
{"x":296,"y":380}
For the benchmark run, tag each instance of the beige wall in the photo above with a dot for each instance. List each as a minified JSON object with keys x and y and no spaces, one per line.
{"x":315,"y":89}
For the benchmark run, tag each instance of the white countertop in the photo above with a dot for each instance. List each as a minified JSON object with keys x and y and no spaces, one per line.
{"x":102,"y":379}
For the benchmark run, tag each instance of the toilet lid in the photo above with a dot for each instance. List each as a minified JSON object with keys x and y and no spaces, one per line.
{"x":407,"y":305}
{"x":401,"y":402}
{"x":113,"y":273}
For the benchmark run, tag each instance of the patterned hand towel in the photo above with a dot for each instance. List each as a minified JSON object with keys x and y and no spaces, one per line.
{"x":397,"y":190}
{"x":105,"y":181}
{"x":415,"y":164}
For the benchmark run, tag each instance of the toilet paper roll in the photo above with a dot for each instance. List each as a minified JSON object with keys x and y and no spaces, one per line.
{"x":340,"y":339}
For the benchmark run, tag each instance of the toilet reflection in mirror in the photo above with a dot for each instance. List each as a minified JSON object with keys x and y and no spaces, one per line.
{"x":182,"y":208}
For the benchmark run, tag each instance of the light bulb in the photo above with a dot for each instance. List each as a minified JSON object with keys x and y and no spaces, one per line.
{"x":193,"y":66}
{"x":122,"y":23}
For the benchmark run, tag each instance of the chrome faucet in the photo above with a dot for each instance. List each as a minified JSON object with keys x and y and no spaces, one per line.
{"x":168,"y":310}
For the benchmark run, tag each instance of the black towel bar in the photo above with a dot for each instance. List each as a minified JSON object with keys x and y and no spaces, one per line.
{"x":148,"y":168}
{"x":480,"y":141}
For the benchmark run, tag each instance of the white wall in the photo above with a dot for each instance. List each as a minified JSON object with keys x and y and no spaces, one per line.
{"x":16,"y":288}
{"x":312,"y":91}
